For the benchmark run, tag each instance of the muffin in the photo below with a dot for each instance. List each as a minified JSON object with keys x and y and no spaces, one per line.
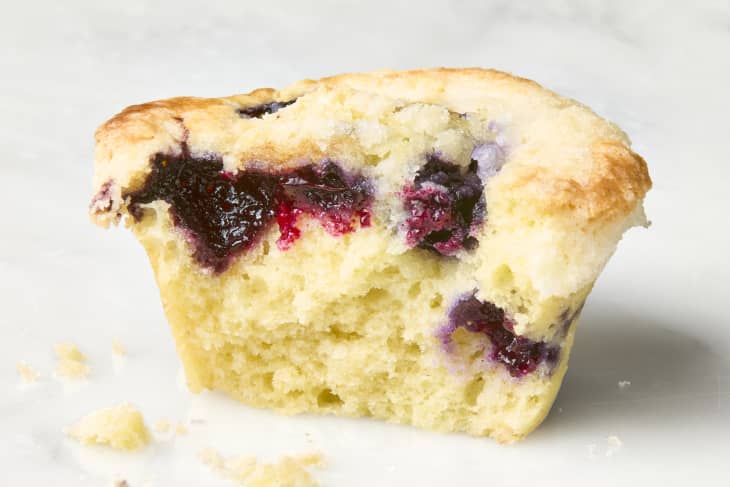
{"x":414,"y":246}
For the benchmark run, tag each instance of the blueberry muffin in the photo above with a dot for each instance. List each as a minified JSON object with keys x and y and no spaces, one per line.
{"x":414,"y":246}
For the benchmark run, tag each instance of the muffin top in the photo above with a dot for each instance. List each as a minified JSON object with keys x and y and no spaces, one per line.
{"x":560,"y":183}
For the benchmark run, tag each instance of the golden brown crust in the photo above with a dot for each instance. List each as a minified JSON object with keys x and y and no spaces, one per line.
{"x":135,"y":118}
{"x":620,"y":182}
{"x":614,"y":188}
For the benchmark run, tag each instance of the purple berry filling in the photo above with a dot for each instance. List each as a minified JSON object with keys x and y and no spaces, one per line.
{"x":102,"y":200}
{"x":518,"y":354}
{"x":225,"y":214}
{"x":259,"y":111}
{"x":444,"y":206}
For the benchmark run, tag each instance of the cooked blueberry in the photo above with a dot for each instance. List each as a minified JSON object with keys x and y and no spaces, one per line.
{"x":518,"y":354}
{"x":567,"y":317}
{"x":444,"y":205}
{"x":226,"y":214}
{"x":327,"y":192}
{"x":102,"y":200}
{"x":258,"y":111}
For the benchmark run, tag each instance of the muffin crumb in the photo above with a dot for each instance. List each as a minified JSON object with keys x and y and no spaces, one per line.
{"x":121,"y":427}
{"x":181,"y":429}
{"x":27,"y":373}
{"x":118,"y":348}
{"x":162,"y":426}
{"x":71,"y":362}
{"x":614,"y":444}
{"x":290,"y":471}
{"x":614,"y":441}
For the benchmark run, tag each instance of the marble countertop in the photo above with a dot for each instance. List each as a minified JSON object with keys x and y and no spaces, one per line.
{"x":658,"y":316}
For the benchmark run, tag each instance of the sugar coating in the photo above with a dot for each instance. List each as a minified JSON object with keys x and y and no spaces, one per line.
{"x":27,"y":373}
{"x":71,"y":363}
{"x":349,"y":324}
{"x":290,"y":471}
{"x":121,"y":427}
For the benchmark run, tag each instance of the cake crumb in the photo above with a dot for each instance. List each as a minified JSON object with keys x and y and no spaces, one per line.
{"x":211,"y":458}
{"x":181,"y":429}
{"x":314,"y":458}
{"x":118,"y":348}
{"x":614,"y":443}
{"x":27,"y":373}
{"x":121,"y":427}
{"x":71,"y":362}
{"x":624,"y":384}
{"x":290,"y":471}
{"x":162,"y":426}
{"x":120,"y":483}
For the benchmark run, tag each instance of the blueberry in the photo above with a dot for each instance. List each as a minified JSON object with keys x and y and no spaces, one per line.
{"x":519,"y":354}
{"x":258,"y":111}
{"x":226,"y":214}
{"x":444,"y":205}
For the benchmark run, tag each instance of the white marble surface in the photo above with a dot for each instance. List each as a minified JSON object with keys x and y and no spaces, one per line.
{"x":658,"y":316}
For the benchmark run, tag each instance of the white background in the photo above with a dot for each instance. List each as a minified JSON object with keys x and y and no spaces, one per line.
{"x":658,"y":316}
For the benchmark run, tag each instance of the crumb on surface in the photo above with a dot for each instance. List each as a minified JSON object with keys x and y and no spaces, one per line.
{"x":624,"y":384}
{"x":162,"y":425}
{"x":181,"y":429}
{"x":27,"y":373}
{"x":290,"y":471}
{"x":71,"y":362}
{"x":121,"y":427}
{"x":118,"y":348}
{"x":211,"y":458}
{"x":614,"y":444}
{"x":120,"y":483}
{"x":614,"y":441}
